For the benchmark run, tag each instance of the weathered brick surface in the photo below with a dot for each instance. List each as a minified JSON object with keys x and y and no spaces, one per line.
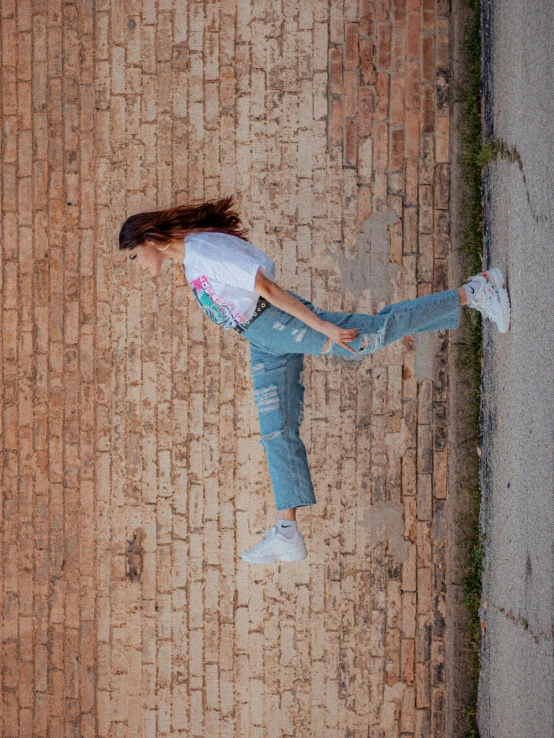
{"x":132,"y":477}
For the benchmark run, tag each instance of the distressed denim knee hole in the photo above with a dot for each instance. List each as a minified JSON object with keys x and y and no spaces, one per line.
{"x":267,"y":399}
{"x":372,"y":342}
{"x":272,"y":435}
{"x":299,"y":334}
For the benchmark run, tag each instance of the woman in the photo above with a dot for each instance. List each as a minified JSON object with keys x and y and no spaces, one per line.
{"x":234,"y":284}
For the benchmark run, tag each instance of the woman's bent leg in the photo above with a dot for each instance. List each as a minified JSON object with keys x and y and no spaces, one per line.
{"x":438,"y":311}
{"x":279,"y":396}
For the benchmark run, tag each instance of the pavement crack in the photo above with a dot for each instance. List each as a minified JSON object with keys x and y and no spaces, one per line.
{"x":496,"y":147}
{"x":525,"y":623}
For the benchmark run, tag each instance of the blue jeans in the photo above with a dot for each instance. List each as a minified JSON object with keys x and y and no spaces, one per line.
{"x":278,"y":342}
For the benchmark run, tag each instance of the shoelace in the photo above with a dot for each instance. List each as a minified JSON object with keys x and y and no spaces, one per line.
{"x":266,"y":531}
{"x":487,"y":291}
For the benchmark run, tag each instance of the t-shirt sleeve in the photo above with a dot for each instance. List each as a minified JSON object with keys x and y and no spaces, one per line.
{"x":236,"y":268}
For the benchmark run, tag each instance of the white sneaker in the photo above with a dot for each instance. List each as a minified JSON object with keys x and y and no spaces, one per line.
{"x":277,"y":547}
{"x":491,"y":299}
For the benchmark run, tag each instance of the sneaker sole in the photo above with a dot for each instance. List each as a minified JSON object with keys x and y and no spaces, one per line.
{"x":496,"y":278}
{"x":289,"y":558}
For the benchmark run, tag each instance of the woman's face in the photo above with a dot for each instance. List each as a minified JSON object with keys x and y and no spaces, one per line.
{"x":147,"y":258}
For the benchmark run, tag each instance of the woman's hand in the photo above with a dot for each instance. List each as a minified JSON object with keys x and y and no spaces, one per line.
{"x":339,"y":335}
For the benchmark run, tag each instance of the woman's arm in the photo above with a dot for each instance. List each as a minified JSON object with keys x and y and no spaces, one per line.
{"x":289,"y":304}
{"x":284,"y":301}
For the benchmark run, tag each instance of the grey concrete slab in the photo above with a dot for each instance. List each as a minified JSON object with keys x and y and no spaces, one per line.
{"x":516,"y":690}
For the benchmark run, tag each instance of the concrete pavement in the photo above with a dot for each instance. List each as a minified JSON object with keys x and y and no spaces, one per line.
{"x":516,"y":691}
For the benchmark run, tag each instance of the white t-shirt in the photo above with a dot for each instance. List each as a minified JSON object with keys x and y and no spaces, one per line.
{"x":221,"y":269}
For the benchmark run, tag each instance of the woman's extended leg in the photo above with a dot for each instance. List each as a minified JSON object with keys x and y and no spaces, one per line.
{"x":282,"y":333}
{"x":463,"y":300}
{"x":437,"y":311}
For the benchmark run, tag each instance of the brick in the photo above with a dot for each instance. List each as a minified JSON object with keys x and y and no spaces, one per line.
{"x":398,"y":50}
{"x":351,"y":93}
{"x":409,"y":601}
{"x":413,"y":40}
{"x":441,"y":234}
{"x":424,"y":496}
{"x":442,"y":138}
{"x":426,"y":209}
{"x":407,"y":714}
{"x":392,"y":656}
{"x":412,"y":134}
{"x":336,"y":24}
{"x":366,"y":105}
{"x":395,"y":238}
{"x":443,"y":92}
{"x":335,"y":84}
{"x":380,"y":191}
{"x":442,"y":44}
{"x":381,"y":145}
{"x":398,"y":12}
{"x":427,"y":160}
{"x":423,"y":724}
{"x":382,"y":96}
{"x":410,"y":230}
{"x":365,"y":159}
{"x":320,"y":47}
{"x":350,"y":142}
{"x":428,"y":110}
{"x":425,"y":263}
{"x":409,"y":473}
{"x":440,"y":474}
{"x":440,"y":426}
{"x":351,"y":54}
{"x":397,"y":101}
{"x":397,"y":152}
{"x":367,"y":62}
{"x":438,"y":700}
{"x":428,"y":60}
{"x":424,"y":552}
{"x":424,"y":590}
{"x":335,"y":126}
{"x":411,"y":181}
{"x":9,"y":42}
{"x":427,"y":14}
{"x":412,"y":85}
{"x":423,"y":685}
{"x":382,"y":9}
{"x":383,"y":46}
{"x":367,"y":17}
{"x":409,"y":566}
{"x":442,"y":186}
{"x":408,"y":660}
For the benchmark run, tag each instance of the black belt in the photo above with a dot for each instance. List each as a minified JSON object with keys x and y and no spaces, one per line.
{"x":262,"y":305}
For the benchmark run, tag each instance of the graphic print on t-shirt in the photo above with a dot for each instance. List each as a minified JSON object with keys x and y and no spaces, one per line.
{"x":217,"y":309}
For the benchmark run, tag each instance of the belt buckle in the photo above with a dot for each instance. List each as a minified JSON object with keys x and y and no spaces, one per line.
{"x":260,"y":307}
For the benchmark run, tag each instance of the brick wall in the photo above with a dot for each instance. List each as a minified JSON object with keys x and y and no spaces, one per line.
{"x":132,"y":477}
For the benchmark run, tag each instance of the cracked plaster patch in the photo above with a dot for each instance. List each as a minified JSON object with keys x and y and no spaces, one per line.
{"x":370,"y":268}
{"x":385,"y":521}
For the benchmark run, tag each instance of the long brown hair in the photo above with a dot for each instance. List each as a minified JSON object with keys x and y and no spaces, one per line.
{"x":161,"y":225}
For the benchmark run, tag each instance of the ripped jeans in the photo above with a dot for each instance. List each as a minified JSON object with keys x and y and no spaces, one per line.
{"x":278,"y":342}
